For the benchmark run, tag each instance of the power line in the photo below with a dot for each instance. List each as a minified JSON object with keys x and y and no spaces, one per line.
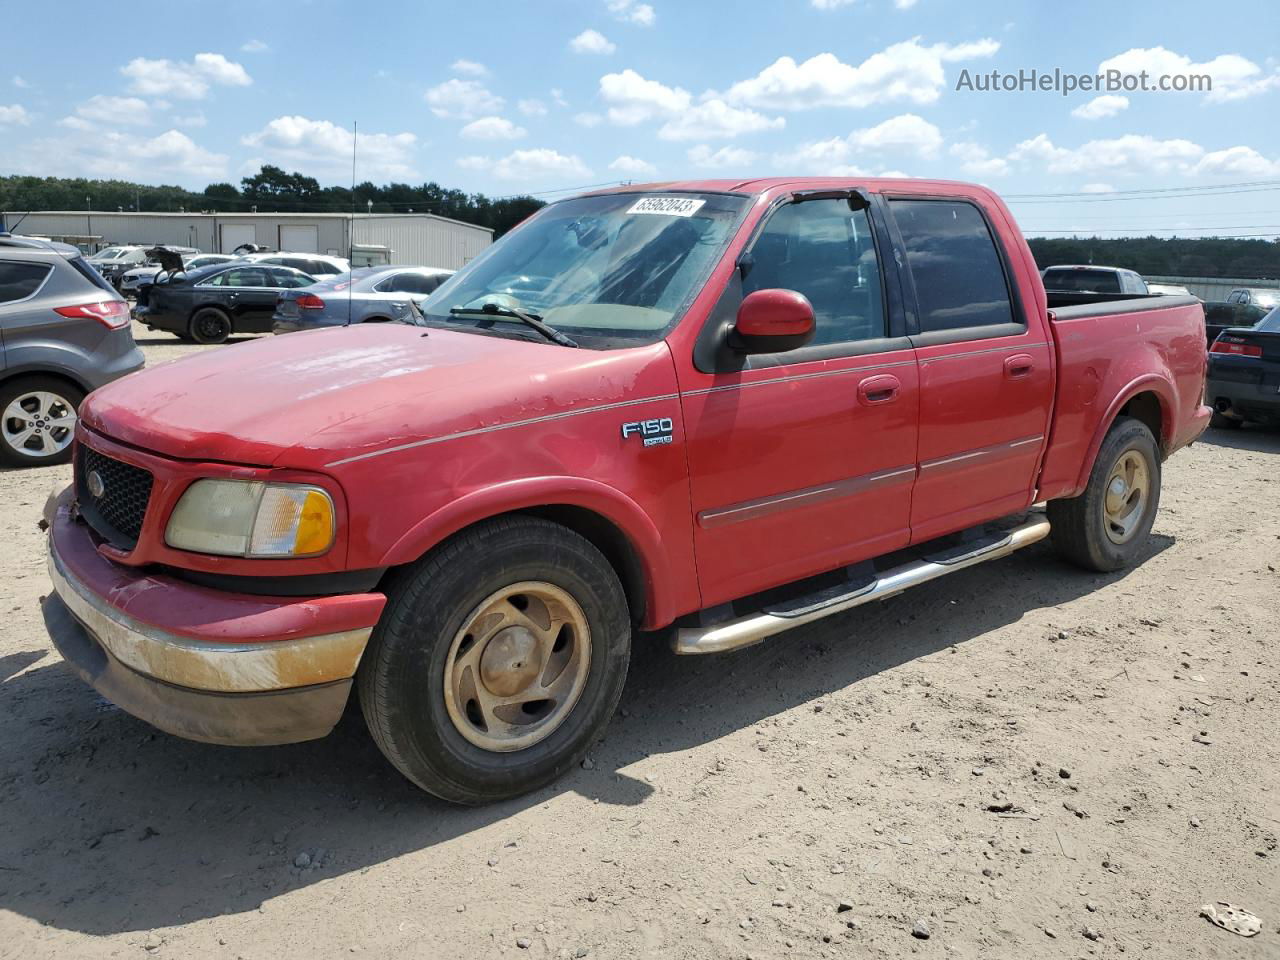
{"x":1094,"y":198}
{"x":1139,"y":233}
{"x":1207,"y":186}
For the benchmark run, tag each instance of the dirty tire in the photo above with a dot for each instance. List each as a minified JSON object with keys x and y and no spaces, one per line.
{"x":411,"y":655}
{"x":48,"y":401}
{"x":1221,"y":421}
{"x":209,"y":325}
{"x":1080,"y":525}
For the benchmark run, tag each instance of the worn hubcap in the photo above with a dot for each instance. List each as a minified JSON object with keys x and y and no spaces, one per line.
{"x":1128,"y":492}
{"x":39,"y":424}
{"x":517,"y":667}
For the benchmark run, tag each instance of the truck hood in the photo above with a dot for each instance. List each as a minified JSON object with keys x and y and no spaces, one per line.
{"x":308,"y":400}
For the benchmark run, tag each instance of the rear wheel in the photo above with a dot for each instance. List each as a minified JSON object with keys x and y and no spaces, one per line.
{"x":1222,"y":422}
{"x":498,"y":661}
{"x":209,"y":325}
{"x":37,"y":421}
{"x":1106,"y":527}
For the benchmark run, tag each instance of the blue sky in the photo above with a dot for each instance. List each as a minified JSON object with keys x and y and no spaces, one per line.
{"x":507,"y":97}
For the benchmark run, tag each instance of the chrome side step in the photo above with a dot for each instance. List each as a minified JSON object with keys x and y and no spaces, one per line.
{"x":753,"y":628}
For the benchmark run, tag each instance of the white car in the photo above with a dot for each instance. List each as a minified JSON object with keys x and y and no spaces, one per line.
{"x":317,"y":264}
{"x":130,"y":280}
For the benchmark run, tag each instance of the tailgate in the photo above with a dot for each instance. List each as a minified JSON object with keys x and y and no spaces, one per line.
{"x":1105,"y":353}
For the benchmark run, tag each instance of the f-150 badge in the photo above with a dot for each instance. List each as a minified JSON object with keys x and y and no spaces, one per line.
{"x":652,"y":432}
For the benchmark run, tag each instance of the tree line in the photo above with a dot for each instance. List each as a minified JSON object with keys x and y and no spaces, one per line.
{"x":1167,"y":256}
{"x":270,"y":190}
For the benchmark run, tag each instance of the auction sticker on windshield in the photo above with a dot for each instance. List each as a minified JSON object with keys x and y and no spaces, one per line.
{"x":667,"y":206}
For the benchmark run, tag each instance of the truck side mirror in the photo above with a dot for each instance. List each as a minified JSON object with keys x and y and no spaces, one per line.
{"x":772,"y":321}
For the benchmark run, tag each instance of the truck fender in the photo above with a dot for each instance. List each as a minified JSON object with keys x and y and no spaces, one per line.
{"x":528,"y":492}
{"x":1151,"y":383}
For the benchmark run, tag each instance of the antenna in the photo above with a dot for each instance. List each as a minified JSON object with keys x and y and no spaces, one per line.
{"x":351,"y":224}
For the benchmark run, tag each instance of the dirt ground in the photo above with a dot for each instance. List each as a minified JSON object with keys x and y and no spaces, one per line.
{"x":816,"y":796}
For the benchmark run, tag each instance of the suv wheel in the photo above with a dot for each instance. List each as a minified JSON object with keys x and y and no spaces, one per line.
{"x":498,"y":661}
{"x":37,"y":421}
{"x":210,"y":325}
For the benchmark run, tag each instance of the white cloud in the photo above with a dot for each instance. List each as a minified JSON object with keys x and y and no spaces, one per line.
{"x":632,"y":99}
{"x":907,"y":4}
{"x":588,"y":119}
{"x":114,"y":111}
{"x":726,"y":157}
{"x":191,"y":120}
{"x":831,"y":4}
{"x":716,"y":120}
{"x":903,"y":71}
{"x":14,"y":114}
{"x":1234,"y":76}
{"x":1097,"y":188}
{"x":905,"y":132}
{"x":592,"y":41}
{"x":20,"y":83}
{"x":628,"y":11}
{"x":1131,"y":153}
{"x":532,"y":108}
{"x":1237,"y":161}
{"x":462,"y":98}
{"x":1107,"y":105}
{"x":492,"y":128}
{"x":323,"y":149}
{"x":977,"y":161}
{"x":254,"y":46}
{"x":539,"y":164}
{"x":110,"y":154}
{"x":470,"y":67}
{"x":633,"y":166}
{"x":557,"y":95}
{"x":185,"y":81}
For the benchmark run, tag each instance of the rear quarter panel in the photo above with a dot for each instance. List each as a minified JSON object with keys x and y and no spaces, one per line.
{"x":1106,"y":359}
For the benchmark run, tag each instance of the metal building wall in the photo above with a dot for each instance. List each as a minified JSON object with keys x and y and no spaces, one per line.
{"x":423,"y":239}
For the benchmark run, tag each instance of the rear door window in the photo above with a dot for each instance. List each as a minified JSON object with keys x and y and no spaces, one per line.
{"x":20,"y":280}
{"x":410,"y":283}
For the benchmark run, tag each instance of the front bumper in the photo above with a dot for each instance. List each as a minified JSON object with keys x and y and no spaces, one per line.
{"x":203,"y":664}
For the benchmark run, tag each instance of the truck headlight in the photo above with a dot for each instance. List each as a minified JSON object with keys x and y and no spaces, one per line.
{"x":250,"y":518}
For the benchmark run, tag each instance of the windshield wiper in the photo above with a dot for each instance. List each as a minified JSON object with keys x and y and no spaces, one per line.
{"x":529,"y":319}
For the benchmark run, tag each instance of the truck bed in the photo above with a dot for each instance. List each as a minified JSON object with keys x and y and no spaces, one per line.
{"x":1149,"y":347}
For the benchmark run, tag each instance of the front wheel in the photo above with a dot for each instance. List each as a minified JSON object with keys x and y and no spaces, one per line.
{"x":498,"y":660}
{"x":1106,"y":527}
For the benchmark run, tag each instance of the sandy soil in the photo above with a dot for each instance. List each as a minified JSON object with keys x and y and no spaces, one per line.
{"x":816,"y":796}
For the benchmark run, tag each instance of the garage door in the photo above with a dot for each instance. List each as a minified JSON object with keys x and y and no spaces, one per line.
{"x":300,"y":238}
{"x":234,"y":234}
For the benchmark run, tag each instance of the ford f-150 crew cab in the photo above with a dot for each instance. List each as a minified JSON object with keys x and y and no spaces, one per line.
{"x":725,"y":408}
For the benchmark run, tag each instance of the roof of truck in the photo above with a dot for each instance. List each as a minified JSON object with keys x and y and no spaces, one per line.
{"x":762,"y":184}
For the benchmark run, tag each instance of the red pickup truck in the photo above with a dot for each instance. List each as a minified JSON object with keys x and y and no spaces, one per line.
{"x":721,"y":407}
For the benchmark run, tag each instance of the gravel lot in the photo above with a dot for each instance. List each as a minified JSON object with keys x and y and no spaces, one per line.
{"x":816,"y":796}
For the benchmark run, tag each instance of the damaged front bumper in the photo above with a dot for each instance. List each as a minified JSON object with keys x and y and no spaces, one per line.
{"x":203,"y":664}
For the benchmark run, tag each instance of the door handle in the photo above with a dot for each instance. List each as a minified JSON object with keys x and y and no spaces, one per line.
{"x":1019,"y":366}
{"x":879,"y":389}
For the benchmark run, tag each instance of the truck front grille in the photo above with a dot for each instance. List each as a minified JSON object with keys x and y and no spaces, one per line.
{"x":113,"y":497}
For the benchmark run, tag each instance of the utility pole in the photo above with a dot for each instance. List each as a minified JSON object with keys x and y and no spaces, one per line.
{"x":88,"y":218}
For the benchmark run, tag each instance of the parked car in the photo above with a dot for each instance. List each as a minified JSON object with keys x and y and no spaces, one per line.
{"x":1244,"y":374}
{"x":111,"y":262}
{"x":366,"y":295}
{"x":314,"y":264}
{"x":130,"y":280}
{"x":213,"y":303}
{"x":724,"y":408}
{"x":1268,"y":298}
{"x":63,"y":332}
{"x":1168,"y":290}
{"x":1220,"y":315}
{"x":1086,"y":284}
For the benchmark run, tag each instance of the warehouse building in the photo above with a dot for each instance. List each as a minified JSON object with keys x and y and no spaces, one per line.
{"x":409,"y":238}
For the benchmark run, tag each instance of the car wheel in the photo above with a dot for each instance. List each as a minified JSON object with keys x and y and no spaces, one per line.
{"x":1221,"y":421}
{"x":209,"y":325}
{"x":1106,"y":527}
{"x":37,"y":421}
{"x":498,"y":660}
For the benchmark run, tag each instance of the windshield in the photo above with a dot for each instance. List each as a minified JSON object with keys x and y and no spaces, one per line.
{"x":110,"y":253}
{"x":609,"y":271}
{"x":1082,"y":281}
